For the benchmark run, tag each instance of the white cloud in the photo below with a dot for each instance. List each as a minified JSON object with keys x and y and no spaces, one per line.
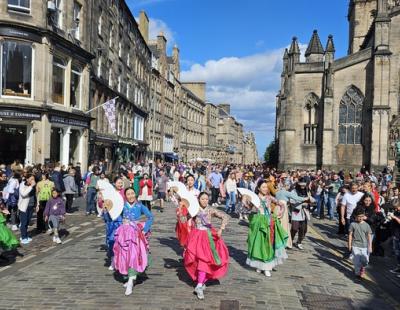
{"x":156,"y":26}
{"x":249,"y":84}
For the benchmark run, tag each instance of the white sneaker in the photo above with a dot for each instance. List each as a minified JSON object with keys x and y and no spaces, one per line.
{"x":199,"y":292}
{"x":258,"y":270}
{"x":49,"y":231}
{"x":111,"y":268}
{"x":129,"y":288}
{"x":54,"y":239}
{"x":299,"y":246}
{"x":240,"y":217}
{"x":267,"y":273}
{"x":14,"y":227}
{"x":125,"y":284}
{"x":58,"y":240}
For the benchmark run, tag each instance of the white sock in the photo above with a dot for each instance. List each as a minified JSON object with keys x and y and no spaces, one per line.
{"x":199,"y":285}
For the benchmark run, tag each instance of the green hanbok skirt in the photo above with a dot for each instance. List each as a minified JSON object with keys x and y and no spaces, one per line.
{"x":7,"y":239}
{"x":266,"y":242}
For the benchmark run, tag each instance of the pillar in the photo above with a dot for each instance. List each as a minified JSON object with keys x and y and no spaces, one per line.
{"x":64,"y":145}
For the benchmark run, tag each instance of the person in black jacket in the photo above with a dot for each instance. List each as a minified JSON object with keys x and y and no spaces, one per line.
{"x":57,"y":178}
{"x":78,"y":178}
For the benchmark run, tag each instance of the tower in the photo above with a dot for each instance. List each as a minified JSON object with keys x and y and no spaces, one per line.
{"x":360,"y":16}
{"x":315,"y":51}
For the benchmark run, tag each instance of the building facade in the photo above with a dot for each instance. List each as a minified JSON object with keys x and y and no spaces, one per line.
{"x":45,"y":76}
{"x":343,"y":113}
{"x":122,"y":70}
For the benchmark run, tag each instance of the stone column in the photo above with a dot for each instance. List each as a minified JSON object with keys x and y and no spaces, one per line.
{"x":29,"y":144}
{"x":64,"y":147}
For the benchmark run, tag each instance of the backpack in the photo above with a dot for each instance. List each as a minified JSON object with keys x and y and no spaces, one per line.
{"x":45,"y":192}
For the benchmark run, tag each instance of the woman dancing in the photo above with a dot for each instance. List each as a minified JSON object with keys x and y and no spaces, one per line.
{"x":131,"y":247}
{"x":206,"y":256}
{"x":266,"y":239}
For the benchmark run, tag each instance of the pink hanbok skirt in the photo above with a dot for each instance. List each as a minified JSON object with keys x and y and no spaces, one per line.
{"x":130,"y":248}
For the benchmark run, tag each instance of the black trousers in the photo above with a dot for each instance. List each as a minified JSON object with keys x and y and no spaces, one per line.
{"x":70,"y":201}
{"x":147,"y":203}
{"x":214,"y":195}
{"x":301,"y":228}
{"x":40,"y":223}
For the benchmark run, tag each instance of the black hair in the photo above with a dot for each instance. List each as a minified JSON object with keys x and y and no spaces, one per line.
{"x":202,"y":194}
{"x":190,"y":176}
{"x":259,"y":183}
{"x":116,"y":179}
{"x":359,"y":211}
{"x":127,"y":189}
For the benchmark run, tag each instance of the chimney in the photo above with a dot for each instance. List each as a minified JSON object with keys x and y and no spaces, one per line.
{"x":162,"y":43}
{"x":144,"y":25}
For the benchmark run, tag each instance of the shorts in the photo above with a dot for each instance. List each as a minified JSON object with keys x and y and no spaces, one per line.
{"x":161,"y":195}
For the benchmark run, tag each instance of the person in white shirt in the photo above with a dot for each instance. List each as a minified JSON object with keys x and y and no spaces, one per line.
{"x":348,"y":204}
{"x":231,"y":187}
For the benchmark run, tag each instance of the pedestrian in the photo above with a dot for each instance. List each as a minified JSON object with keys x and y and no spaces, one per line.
{"x":395,"y":228}
{"x":348,"y":204}
{"x":78,"y":178}
{"x":300,"y":216}
{"x":266,"y":240}
{"x":206,"y":256}
{"x":26,"y":204}
{"x":161,"y":187}
{"x":55,"y":214}
{"x":215,"y":180}
{"x":231,"y":188}
{"x":360,"y":242}
{"x":11,"y":196}
{"x":131,"y":247}
{"x":57,"y":178}
{"x":146,"y":191}
{"x":190,"y":180}
{"x":91,"y":190}
{"x":43,"y":192}
{"x":70,"y":189}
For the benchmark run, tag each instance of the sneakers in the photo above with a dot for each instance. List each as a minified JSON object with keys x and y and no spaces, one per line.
{"x":258,"y":270}
{"x":129,"y":288}
{"x":25,"y":241}
{"x":199,"y":292}
{"x":111,"y":268}
{"x":14,"y":227}
{"x":299,"y":246}
{"x":49,"y":231}
{"x":267,"y":273}
{"x":57,"y":240}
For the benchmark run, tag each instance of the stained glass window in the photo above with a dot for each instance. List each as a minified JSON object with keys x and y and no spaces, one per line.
{"x":310,"y":118}
{"x":350,"y":117}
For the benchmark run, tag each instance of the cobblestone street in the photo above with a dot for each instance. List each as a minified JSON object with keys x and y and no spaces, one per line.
{"x":74,"y":276}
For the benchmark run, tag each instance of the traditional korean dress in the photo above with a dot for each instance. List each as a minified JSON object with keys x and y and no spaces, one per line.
{"x":183,"y":224}
{"x":205,"y":251}
{"x":131,"y":247}
{"x":266,"y":239}
{"x":7,"y":239}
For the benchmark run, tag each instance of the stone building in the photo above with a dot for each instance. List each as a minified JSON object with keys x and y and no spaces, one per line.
{"x":122,"y":70}
{"x":164,"y":94}
{"x":250,"y":154}
{"x":343,"y":113}
{"x":210,"y":131}
{"x":45,"y":78}
{"x":192,"y":119}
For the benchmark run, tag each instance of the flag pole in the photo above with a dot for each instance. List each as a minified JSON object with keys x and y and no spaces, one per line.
{"x":99,"y":106}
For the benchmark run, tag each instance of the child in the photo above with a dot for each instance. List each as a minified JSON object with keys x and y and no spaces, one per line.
{"x":55,"y":213}
{"x":360,"y":242}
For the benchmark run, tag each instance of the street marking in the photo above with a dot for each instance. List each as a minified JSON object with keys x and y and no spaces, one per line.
{"x":85,"y":224}
{"x":66,"y":241}
{"x":48,"y":249}
{"x":26,"y":258}
{"x":5,"y":268}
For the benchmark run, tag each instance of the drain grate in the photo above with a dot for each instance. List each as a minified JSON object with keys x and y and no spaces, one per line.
{"x":323,"y":301}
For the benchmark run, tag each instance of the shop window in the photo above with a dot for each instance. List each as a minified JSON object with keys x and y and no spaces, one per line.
{"x":139,"y":128}
{"x":77,"y":17}
{"x":23,"y":6}
{"x":16,"y":69}
{"x":59,"y":68}
{"x":76,"y":76}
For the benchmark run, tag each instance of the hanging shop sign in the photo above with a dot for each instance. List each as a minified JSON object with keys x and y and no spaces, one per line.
{"x":16,"y":114}
{"x":69,"y":121}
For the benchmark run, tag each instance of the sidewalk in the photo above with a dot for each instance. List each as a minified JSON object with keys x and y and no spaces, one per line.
{"x":378,"y":270}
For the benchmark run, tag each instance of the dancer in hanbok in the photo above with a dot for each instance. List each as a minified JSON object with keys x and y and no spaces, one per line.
{"x":266,"y":239}
{"x":184,"y":222}
{"x":190,"y":185}
{"x":206,"y":256}
{"x":131,"y":247}
{"x":7,"y":239}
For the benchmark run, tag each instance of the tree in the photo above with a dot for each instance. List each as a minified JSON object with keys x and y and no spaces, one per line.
{"x":271,"y":156}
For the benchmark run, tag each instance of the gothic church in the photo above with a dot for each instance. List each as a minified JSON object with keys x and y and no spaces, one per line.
{"x":343,"y":113}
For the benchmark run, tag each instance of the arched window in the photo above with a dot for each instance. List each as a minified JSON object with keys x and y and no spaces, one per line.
{"x":350,"y":116}
{"x":310,"y":117}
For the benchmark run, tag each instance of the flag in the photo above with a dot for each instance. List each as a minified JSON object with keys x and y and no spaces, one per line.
{"x":109,"y":110}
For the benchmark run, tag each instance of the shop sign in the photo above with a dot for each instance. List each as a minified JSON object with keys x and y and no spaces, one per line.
{"x":18,"y":33}
{"x":127,"y":141}
{"x":15,"y":114}
{"x":68,"y":121}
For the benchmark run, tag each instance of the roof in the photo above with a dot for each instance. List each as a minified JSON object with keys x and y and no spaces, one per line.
{"x":315,"y":46}
{"x":294,"y":47}
{"x":330,"y":47}
{"x":154,"y":50}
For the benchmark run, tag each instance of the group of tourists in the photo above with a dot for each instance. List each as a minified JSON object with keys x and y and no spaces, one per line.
{"x":277,"y":205}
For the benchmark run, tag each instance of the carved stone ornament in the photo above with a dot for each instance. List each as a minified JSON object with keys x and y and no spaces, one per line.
{"x":393,"y":3}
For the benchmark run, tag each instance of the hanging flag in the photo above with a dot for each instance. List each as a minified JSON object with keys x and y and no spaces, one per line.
{"x":109,"y":110}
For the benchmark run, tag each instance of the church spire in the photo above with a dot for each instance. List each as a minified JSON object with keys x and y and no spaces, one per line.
{"x":294,"y":53}
{"x":330,"y":46}
{"x":315,"y":51}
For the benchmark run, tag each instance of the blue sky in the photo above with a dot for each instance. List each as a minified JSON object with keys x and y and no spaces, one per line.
{"x":236,"y":46}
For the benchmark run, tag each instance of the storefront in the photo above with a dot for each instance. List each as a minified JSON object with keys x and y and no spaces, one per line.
{"x":17,"y":135}
{"x":68,"y":139}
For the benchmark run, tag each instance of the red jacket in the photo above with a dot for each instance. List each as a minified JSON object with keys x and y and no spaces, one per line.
{"x":149,"y":186}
